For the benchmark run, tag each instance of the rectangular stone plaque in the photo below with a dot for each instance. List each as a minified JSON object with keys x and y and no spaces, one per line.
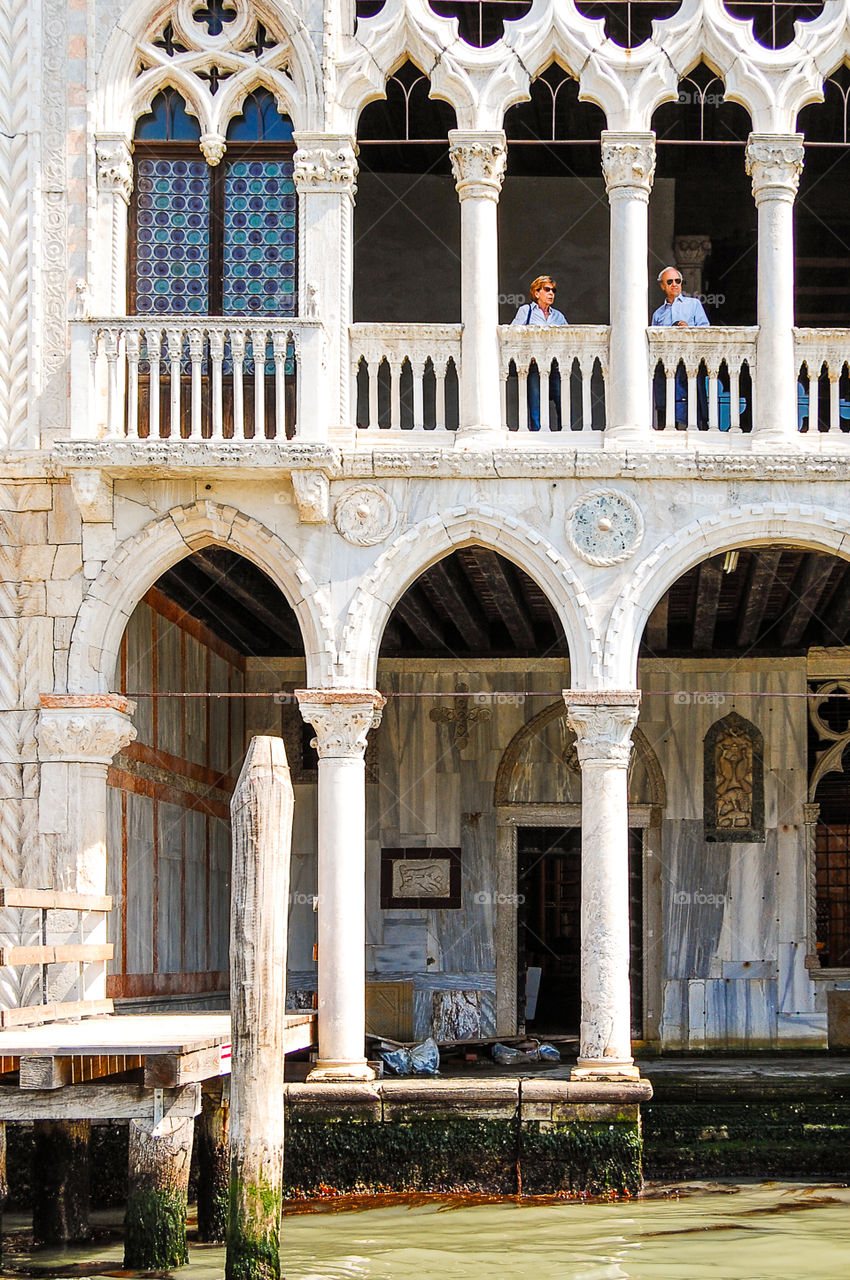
{"x":420,"y":878}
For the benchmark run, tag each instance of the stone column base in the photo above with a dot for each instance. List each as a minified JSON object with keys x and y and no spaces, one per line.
{"x":604,"y":1069}
{"x":328,"y":1069}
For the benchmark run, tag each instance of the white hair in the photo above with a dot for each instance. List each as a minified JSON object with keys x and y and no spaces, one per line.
{"x":663,"y":269}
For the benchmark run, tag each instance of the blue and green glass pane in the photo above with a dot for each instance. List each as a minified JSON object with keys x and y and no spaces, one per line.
{"x":172,"y":237}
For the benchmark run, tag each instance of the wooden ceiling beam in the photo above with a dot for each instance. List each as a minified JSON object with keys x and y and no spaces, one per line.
{"x":805,"y":592}
{"x":837,"y":625}
{"x":285,"y":628}
{"x":505,"y":596}
{"x":461,"y":606}
{"x":415,"y":611}
{"x":763,"y":569}
{"x":709,"y":582}
{"x":214,"y":607}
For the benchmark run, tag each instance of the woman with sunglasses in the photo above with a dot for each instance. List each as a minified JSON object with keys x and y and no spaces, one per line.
{"x":540,"y":312}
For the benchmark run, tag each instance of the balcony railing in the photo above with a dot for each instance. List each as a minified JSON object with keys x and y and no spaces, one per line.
{"x":169,"y":378}
{"x":703,"y":379}
{"x":569,"y":366}
{"x":405,"y":377}
{"x":823,"y":383}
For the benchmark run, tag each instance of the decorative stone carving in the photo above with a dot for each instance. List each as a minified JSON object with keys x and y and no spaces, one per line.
{"x":365,"y":515}
{"x":690,"y":253}
{"x":478,"y":163}
{"x":604,"y":527}
{"x":114,"y":165}
{"x":733,"y":790}
{"x":89,"y":729}
{"x":602,"y":722}
{"x":313,"y":304}
{"x":213,"y":146}
{"x":16,"y":51}
{"x":312,"y":495}
{"x":92,"y":494}
{"x":830,"y":758}
{"x":628,"y":164}
{"x":81,"y":300}
{"x":775,"y":162}
{"x":460,"y":716}
{"x":325,"y":162}
{"x":342,"y":719}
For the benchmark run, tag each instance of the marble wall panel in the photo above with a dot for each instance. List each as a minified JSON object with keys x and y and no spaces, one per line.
{"x":807,"y":1030}
{"x":114,"y":878}
{"x":695,"y":882}
{"x":170,"y":679}
{"x":169,"y":923}
{"x":303,"y":879}
{"x":674,"y":1014}
{"x":220,"y":713}
{"x":195,"y":873}
{"x":140,"y":669}
{"x":751,"y":1014}
{"x":791,"y":883}
{"x":196,"y":710}
{"x":219,"y":906}
{"x":795,"y":987}
{"x":140,"y":881}
{"x":404,"y":946}
{"x":749,"y":908}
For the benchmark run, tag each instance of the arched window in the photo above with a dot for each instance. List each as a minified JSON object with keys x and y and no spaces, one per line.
{"x":213,"y":240}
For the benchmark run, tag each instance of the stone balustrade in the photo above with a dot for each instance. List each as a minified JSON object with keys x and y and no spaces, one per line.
{"x":723,"y":358}
{"x":580,"y":355}
{"x":406,"y":376}
{"x":822,"y":357}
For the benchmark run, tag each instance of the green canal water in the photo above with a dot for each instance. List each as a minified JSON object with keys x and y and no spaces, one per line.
{"x":761,"y":1231}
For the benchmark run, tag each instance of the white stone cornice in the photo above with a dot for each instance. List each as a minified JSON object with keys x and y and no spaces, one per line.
{"x":85,"y":729}
{"x":775,"y":162}
{"x":628,"y":164}
{"x":325,"y":162}
{"x":478,"y":162}
{"x":602,"y":721}
{"x":114,"y":165}
{"x":342,"y":719}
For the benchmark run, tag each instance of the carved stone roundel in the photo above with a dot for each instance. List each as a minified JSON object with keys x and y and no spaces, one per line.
{"x":365,"y":515}
{"x":604,"y":527}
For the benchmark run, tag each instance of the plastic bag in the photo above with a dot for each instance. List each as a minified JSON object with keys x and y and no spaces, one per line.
{"x":507,"y":1057}
{"x":398,"y":1061}
{"x":425,"y":1058}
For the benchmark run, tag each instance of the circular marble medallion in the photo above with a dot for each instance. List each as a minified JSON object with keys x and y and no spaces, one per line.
{"x":365,"y":515}
{"x":604,"y":527}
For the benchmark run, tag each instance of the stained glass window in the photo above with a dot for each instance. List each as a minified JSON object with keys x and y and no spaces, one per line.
{"x":259,"y":238}
{"x":172,"y":236}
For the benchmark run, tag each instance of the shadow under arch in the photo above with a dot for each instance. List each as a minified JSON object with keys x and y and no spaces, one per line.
{"x":518,"y":803}
{"x":143,"y":558}
{"x":795,"y":524}
{"x":422,"y":545}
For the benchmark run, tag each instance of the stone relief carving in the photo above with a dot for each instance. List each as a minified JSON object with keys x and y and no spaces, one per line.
{"x":332,"y":166}
{"x":733,"y":791}
{"x":603,"y":726}
{"x":365,"y":515}
{"x":15,"y":271}
{"x":92,"y":735}
{"x":604,"y":527}
{"x":774,"y":162}
{"x":460,"y":716}
{"x":342,"y":719}
{"x":213,"y":146}
{"x":628,"y":161}
{"x":312,"y":496}
{"x":114,"y":165}
{"x":478,"y":163}
{"x":92,"y":494}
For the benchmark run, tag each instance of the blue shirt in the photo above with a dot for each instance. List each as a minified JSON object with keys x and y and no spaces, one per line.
{"x":689,"y":309}
{"x":537,"y":317}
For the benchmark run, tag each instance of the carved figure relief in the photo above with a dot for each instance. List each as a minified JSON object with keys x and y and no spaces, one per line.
{"x":460,"y":717}
{"x":365,"y":515}
{"x":734,"y":781}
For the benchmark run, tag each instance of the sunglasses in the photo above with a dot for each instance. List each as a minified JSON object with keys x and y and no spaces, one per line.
{"x":673,"y":280}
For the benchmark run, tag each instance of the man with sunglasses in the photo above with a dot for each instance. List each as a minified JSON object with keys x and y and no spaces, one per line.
{"x":538,"y":312}
{"x":679,"y":312}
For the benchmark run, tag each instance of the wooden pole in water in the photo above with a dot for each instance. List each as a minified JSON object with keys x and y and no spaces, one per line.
{"x":211,"y":1135}
{"x":60,"y":1181}
{"x":158,"y":1161}
{"x":261,"y":814}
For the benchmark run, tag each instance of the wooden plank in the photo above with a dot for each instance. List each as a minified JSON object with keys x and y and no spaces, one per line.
{"x":98,"y":1102}
{"x":807,"y":591}
{"x":300,"y":1035}
{"x":763,"y":569}
{"x":45,"y":1073}
{"x":53,"y":900}
{"x":709,"y":583}
{"x":30,"y":1015}
{"x":72,"y":953}
{"x":171,"y":1070}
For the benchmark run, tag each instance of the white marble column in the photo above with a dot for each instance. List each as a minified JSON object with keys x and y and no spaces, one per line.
{"x":114,"y":188}
{"x":628,"y":164}
{"x":78,"y":736}
{"x":325,"y":173}
{"x":603,"y":721}
{"x":478,"y":163}
{"x":775,"y":162}
{"x":342,"y":720}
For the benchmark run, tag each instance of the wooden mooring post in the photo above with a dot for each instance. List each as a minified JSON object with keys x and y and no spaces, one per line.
{"x":261,"y":813}
{"x":212,"y":1128}
{"x":60,"y":1181}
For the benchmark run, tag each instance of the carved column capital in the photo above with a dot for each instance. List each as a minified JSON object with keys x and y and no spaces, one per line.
{"x":84,"y":729}
{"x":478,"y":162}
{"x":602,"y":721}
{"x":342,"y":719}
{"x":325,"y":162}
{"x":774,"y":161}
{"x":114,"y":165}
{"x":628,"y":164}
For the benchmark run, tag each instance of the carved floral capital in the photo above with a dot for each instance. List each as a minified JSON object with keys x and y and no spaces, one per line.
{"x":312,"y":496}
{"x":628,"y":164}
{"x":603,"y":721}
{"x":342,"y":719}
{"x":478,"y":163}
{"x":84,"y":729}
{"x":775,"y":162}
{"x":213,"y":145}
{"x":114,"y":165}
{"x":325,"y":162}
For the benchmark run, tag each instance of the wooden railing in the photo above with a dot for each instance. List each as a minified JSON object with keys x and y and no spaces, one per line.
{"x":703,"y":379}
{"x":90,"y":954}
{"x":173,"y":378}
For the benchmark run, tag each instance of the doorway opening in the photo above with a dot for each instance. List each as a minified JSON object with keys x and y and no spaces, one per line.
{"x":549,"y":928}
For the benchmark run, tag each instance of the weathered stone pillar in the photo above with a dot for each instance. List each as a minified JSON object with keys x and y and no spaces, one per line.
{"x":325,"y":174}
{"x":603,"y":721}
{"x":811,"y":815}
{"x":60,"y":1181}
{"x":478,"y":163}
{"x":342,"y":719}
{"x":78,"y":736}
{"x":261,"y":811}
{"x":159,"y":1158}
{"x":775,"y":162}
{"x":114,"y":188}
{"x":628,"y":165}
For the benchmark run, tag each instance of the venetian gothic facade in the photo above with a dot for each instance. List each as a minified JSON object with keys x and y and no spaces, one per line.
{"x":577,"y":696}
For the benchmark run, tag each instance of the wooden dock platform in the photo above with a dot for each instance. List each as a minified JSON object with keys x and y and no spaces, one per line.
{"x":140,"y":1066}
